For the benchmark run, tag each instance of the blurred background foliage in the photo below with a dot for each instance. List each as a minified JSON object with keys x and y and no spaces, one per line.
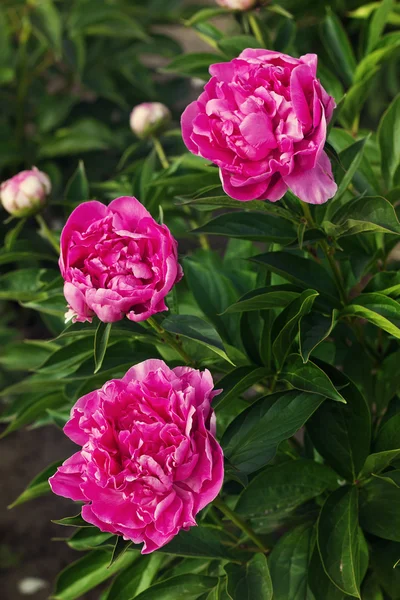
{"x":70,"y":73}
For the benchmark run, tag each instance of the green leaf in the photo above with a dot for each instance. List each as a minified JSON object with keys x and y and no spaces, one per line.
{"x":135,"y":580}
{"x":101,"y":338}
{"x":355,"y":98}
{"x":88,"y":538}
{"x":34,"y":411}
{"x":85,"y":135}
{"x":198,"y":330}
{"x":314,"y":328}
{"x":362,"y":215}
{"x":338,"y":540}
{"x":193,"y":65}
{"x":88,"y":572}
{"x":371,"y":589}
{"x":288,"y":563}
{"x":380,"y":509}
{"x":202,"y":541}
{"x":377,"y":24}
{"x":68,"y":357}
{"x":75,"y":521}
{"x":375,"y":463}
{"x":338,"y":47}
{"x":382,"y":311}
{"x":185,"y":587}
{"x":250,"y":581}
{"x":319,"y":581}
{"x":251,"y":226}
{"x":263,"y":300}
{"x":47,"y":19}
{"x":274,"y":493}
{"x":389,"y":142}
{"x":236,"y":382}
{"x":213,"y":292}
{"x":203,"y":15}
{"x":232,"y":46}
{"x":309,"y":378}
{"x":286,"y":325}
{"x":388,"y":437}
{"x":24,"y":284}
{"x":38,"y":486}
{"x":384,"y":557}
{"x":77,"y":189}
{"x":350,"y":158}
{"x":341,"y":433}
{"x":300,"y":271}
{"x":120,"y":547}
{"x":251,"y":440}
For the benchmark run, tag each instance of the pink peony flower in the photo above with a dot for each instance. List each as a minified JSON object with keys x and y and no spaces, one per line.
{"x":149,"y":118}
{"x":116,"y":261}
{"x":237,"y":4}
{"x":25,"y":193}
{"x":262,"y":119}
{"x":149,"y":460}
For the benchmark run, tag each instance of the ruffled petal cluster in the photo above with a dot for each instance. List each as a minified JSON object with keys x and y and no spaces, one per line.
{"x":117,"y":261}
{"x":149,"y":460}
{"x":262,"y":118}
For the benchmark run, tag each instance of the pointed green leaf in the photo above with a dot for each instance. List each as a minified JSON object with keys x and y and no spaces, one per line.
{"x":285,"y":326}
{"x":300,"y":271}
{"x":184,"y":587}
{"x":198,"y":330}
{"x":88,"y":572}
{"x":382,"y":311}
{"x":289,"y":561}
{"x":77,"y":189}
{"x":389,"y":142}
{"x":314,"y":329}
{"x":309,"y":378}
{"x":273,"y":494}
{"x":377,"y":24}
{"x":341,"y":433}
{"x":236,"y":382}
{"x":250,"y":581}
{"x":38,"y":486}
{"x":338,"y":540}
{"x":251,"y":226}
{"x":251,"y":440}
{"x":338,"y":47}
{"x":101,"y":338}
{"x":380,"y":509}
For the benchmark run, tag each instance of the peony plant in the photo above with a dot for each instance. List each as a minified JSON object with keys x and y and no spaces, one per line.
{"x":224,"y":317}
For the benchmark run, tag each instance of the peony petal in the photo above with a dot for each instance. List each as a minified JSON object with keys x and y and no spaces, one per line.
{"x":129,"y":210}
{"x":316,"y":185}
{"x":67,"y":480}
{"x":187,"y":118}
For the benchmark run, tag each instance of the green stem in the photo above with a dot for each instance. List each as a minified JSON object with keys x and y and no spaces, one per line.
{"x":47,"y":233}
{"x":160,"y":152}
{"x":169,"y":339}
{"x":218,"y":503}
{"x":256,"y":30}
{"x":328,"y":254}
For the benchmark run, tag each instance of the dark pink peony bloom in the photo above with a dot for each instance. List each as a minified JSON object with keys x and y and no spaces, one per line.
{"x":262,"y":119}
{"x":117,"y":261}
{"x":149,"y":460}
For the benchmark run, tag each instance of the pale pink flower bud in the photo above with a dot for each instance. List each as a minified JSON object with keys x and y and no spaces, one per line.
{"x":149,"y":119}
{"x":25,"y":193}
{"x":237,"y":4}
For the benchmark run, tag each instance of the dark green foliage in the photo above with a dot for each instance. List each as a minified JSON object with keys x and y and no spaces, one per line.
{"x":293,"y":308}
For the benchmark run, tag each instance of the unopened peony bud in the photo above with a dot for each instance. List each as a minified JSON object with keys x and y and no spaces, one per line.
{"x":237,"y":4}
{"x":25,"y":193}
{"x":149,"y":119}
